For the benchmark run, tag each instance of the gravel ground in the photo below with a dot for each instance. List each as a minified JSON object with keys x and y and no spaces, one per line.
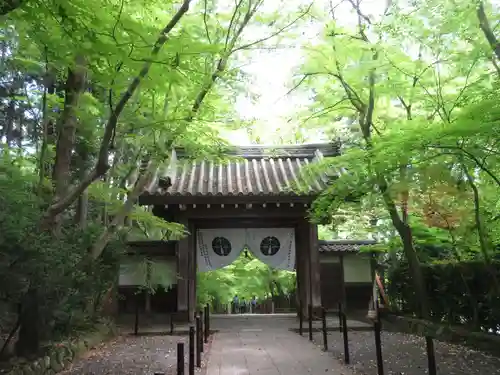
{"x":130,"y":355}
{"x":405,"y":354}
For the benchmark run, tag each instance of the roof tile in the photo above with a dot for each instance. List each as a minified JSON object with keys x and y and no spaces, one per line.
{"x":256,"y":170}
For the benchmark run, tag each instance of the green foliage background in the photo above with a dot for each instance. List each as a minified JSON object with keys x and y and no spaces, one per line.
{"x":245,"y":277}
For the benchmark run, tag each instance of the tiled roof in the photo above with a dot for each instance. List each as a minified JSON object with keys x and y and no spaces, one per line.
{"x":349,"y":246}
{"x":256,"y":170}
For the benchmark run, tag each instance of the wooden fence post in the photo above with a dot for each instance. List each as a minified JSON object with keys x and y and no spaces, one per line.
{"x":431,"y":355}
{"x":198,"y":337}
{"x":191,"y":350}
{"x":180,"y":358}
{"x":310,"y":310}
{"x":202,"y":330}
{"x":325,"y":337}
{"x":378,"y":346}
{"x":340,"y":316}
{"x":136,"y":322}
{"x":346,"y":338}
{"x":207,"y":324}
{"x":301,"y":319}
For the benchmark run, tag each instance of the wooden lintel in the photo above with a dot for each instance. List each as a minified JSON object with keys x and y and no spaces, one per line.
{"x":204,"y":212}
{"x":156,"y":248}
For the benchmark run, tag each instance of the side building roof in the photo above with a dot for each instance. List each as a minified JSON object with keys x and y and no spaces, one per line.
{"x":343,"y":246}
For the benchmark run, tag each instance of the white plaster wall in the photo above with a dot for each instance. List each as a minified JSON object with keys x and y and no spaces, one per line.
{"x":357,"y":268}
{"x":329,"y":259}
{"x":133,"y":272}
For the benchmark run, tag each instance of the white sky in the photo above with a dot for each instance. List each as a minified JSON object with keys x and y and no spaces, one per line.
{"x":271,"y":73}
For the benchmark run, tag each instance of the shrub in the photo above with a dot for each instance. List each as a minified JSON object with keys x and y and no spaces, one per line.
{"x":459,"y":292}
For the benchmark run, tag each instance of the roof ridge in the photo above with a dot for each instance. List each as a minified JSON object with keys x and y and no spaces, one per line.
{"x":307,"y":150}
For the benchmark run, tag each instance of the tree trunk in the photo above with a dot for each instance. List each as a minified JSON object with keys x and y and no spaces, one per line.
{"x":83,"y":199}
{"x":405,"y":233}
{"x":68,"y":123}
{"x":483,"y":241}
{"x":10,"y":126}
{"x":8,"y":6}
{"x":487,"y":31}
{"x":29,"y":332}
{"x":82,"y":210}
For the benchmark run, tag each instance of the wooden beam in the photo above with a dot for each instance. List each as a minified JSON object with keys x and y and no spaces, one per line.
{"x":156,"y":199}
{"x":246,"y":223}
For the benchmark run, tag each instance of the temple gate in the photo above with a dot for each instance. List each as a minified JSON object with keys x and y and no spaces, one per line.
{"x":250,"y":200}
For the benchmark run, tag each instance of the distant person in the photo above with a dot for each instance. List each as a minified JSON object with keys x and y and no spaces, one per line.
{"x":243,"y":306}
{"x":236,"y":303}
{"x":254,"y":304}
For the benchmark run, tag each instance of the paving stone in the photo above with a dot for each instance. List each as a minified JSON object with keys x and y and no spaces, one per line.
{"x":265,"y":345}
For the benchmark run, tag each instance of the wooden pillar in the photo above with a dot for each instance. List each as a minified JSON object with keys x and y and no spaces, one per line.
{"x":343,"y":297}
{"x":147,"y":306}
{"x":373,"y":268}
{"x":310,"y":277}
{"x":314,"y":268}
{"x":192,"y":272}
{"x":306,"y":261}
{"x":302,"y":267}
{"x":183,"y":273}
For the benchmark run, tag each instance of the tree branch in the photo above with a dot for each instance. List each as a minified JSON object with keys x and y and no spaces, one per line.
{"x":471,"y":156}
{"x":120,"y":216}
{"x":101,"y":166}
{"x":302,"y":15}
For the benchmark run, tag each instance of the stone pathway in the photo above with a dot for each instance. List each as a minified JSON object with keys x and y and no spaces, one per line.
{"x":264,"y":345}
{"x":267,"y":345}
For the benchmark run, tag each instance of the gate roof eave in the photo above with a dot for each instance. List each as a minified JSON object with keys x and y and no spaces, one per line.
{"x":173,"y":199}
